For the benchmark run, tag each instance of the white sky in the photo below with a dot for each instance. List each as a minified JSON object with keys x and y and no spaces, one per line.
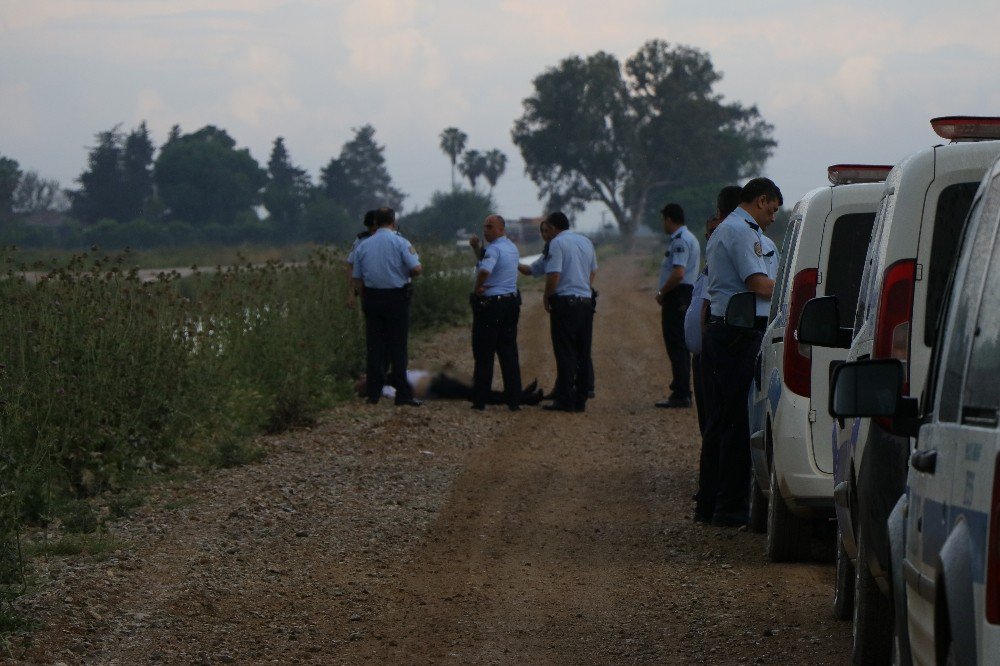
{"x":844,"y":81}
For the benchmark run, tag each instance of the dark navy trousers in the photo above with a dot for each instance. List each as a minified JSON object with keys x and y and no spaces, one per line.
{"x":727,"y":360}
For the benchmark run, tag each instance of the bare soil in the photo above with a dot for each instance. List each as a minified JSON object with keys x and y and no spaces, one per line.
{"x":444,"y":535}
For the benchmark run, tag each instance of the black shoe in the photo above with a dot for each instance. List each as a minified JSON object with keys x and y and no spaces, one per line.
{"x":479,"y":408}
{"x":409,"y":402}
{"x":530,"y":388}
{"x":674,"y":403}
{"x":725,"y":520}
{"x":371,"y":401}
{"x":514,"y":408}
{"x":556,"y":407}
{"x":533,"y":399}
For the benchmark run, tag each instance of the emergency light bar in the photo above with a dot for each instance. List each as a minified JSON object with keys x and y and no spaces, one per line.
{"x":967,"y":128}
{"x":845,"y":174}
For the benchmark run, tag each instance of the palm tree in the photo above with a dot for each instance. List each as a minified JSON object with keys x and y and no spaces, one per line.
{"x":473,"y":166}
{"x":453,"y":143}
{"x":495,"y":163}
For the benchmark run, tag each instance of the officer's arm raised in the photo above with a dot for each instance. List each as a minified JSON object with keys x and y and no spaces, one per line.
{"x":761,"y":285}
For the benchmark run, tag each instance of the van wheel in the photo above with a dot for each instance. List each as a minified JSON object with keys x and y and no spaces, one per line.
{"x":788,"y":535}
{"x":873,"y":614}
{"x":758,"y":507}
{"x":843,"y":589}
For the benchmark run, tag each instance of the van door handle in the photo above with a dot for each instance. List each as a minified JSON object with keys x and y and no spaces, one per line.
{"x":924,"y":461}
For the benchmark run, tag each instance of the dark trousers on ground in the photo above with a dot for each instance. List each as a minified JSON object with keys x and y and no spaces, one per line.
{"x":572,"y":326}
{"x":673,"y":309}
{"x":387,"y":328}
{"x":728,"y":357}
{"x":443,"y":387}
{"x":494,"y":333}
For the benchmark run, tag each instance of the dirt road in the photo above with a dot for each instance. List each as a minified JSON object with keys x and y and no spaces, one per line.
{"x":442,"y":535}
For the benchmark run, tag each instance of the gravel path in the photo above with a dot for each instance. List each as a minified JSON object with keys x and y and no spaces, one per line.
{"x":442,"y":535}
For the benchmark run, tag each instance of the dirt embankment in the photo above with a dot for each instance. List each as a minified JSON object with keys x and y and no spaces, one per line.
{"x":443,"y":535}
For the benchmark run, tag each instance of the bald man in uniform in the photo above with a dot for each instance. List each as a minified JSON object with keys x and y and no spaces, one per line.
{"x":496,"y":309}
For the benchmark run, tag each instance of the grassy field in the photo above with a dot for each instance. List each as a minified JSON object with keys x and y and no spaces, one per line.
{"x":106,"y":379}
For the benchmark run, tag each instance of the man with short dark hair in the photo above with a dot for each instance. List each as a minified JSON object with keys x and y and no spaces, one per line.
{"x":383,"y":267}
{"x":569,"y":300}
{"x":735,"y":264}
{"x":678,"y":272}
{"x":369,"y":224}
{"x":496,"y":308}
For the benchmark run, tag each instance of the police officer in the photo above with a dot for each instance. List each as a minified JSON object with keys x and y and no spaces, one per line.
{"x":678,"y":272}
{"x":496,"y":308}
{"x":369,"y":223}
{"x":736,"y":264}
{"x":383,"y":266}
{"x":569,"y":300}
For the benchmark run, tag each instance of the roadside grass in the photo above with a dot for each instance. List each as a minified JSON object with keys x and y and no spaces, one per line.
{"x":108,"y":382}
{"x":96,"y":544}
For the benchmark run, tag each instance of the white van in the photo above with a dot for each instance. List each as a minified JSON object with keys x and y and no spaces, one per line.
{"x":912,"y":252}
{"x":792,"y":482}
{"x":946,"y":528}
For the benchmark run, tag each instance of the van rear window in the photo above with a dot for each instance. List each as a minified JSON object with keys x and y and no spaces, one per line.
{"x":952,"y":207}
{"x":846,"y":263}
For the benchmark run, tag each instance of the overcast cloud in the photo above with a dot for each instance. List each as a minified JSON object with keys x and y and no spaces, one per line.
{"x":841,"y":82}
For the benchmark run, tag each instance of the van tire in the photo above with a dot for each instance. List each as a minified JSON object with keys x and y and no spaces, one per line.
{"x":788,"y":536}
{"x":873,"y":614}
{"x":758,"y":507}
{"x":843,"y":586}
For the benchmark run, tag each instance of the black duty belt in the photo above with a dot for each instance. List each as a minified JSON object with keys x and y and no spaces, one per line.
{"x":500,"y":297}
{"x":759,"y":323}
{"x":385,"y":291}
{"x":572,"y":299}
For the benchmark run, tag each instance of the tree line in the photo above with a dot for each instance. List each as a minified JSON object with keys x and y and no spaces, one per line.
{"x":627,"y":136}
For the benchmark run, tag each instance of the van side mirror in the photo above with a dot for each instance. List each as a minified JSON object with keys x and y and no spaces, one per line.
{"x":819,"y":324}
{"x":742,"y":310}
{"x":866,"y":389}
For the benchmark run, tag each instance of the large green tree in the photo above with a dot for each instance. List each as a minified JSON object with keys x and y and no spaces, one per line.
{"x":494,"y":164}
{"x":358,"y":179}
{"x":453,"y":143}
{"x":287,"y":191}
{"x":472,"y":166}
{"x":628,"y":137}
{"x":35,"y":194}
{"x":118,"y":181}
{"x":204,"y":179}
{"x":10,"y":176}
{"x":447,"y":213}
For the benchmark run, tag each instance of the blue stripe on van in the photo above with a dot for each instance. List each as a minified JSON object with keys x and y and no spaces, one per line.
{"x":936,"y":530}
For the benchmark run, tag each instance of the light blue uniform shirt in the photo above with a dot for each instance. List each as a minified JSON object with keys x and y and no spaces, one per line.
{"x":735,"y":252}
{"x":572,"y":256}
{"x":500,"y":261}
{"x":770,"y":258}
{"x":692,"y":318}
{"x":683,"y":251}
{"x":384,"y":260}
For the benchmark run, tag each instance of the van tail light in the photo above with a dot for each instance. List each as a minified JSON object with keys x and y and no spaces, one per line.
{"x":798,"y":358}
{"x":993,"y":553}
{"x":892,"y":328}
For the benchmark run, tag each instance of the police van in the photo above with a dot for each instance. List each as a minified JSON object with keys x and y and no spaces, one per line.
{"x":913,"y":246}
{"x":790,"y":441}
{"x":945,"y":531}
